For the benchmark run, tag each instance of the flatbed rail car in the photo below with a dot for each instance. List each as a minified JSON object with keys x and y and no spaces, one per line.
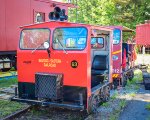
{"x":123,"y":65}
{"x":65,"y":65}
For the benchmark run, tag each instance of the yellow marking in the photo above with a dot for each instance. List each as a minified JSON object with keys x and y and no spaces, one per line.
{"x":116,"y":52}
{"x":115,"y":75}
{"x":49,"y":62}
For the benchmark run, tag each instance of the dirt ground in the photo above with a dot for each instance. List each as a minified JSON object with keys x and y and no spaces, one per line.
{"x":143,"y":59}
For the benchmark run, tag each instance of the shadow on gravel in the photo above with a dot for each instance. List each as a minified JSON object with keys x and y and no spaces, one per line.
{"x":138,"y":108}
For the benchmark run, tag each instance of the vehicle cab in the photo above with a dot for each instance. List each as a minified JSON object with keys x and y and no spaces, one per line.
{"x":64,"y":64}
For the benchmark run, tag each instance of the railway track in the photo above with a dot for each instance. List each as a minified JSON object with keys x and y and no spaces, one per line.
{"x":46,"y":113}
{"x":17,"y":113}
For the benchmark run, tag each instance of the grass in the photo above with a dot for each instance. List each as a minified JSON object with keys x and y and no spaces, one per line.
{"x":132,"y":94}
{"x":147,"y":106}
{"x":138,"y":78}
{"x":8,"y":107}
{"x":114,"y":96}
{"x":122,"y":103}
{"x":115,"y":114}
{"x":106,"y":104}
{"x":8,"y":82}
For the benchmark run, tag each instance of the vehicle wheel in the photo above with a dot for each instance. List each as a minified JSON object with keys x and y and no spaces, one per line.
{"x":147,"y":83}
{"x":131,"y":75}
{"x":93,"y":104}
{"x":115,"y":83}
{"x":124,"y":80}
{"x":106,"y":94}
{"x":147,"y":87}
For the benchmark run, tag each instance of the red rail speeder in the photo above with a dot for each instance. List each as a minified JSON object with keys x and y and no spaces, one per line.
{"x":64,"y":64}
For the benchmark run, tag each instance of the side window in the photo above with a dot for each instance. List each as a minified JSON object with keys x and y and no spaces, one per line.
{"x":116,"y":36}
{"x":39,"y":17}
{"x":97,"y":42}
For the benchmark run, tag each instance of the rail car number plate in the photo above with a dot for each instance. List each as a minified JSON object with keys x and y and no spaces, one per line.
{"x":116,"y":71}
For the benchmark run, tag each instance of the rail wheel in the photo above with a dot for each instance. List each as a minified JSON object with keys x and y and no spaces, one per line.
{"x":106,"y":94}
{"x":131,"y":75}
{"x":94,"y":102}
{"x":115,"y":83}
{"x":124,"y":80}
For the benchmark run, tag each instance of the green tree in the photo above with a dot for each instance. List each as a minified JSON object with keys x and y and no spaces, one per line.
{"x":111,"y":12}
{"x":92,"y":12}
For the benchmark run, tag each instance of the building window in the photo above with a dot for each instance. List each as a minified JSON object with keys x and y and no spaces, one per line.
{"x":39,"y":17}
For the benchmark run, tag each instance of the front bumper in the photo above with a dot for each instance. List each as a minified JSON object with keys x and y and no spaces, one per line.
{"x":47,"y":103}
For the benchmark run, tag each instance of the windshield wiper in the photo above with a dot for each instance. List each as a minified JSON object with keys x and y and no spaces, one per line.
{"x":62,"y":46}
{"x":38,"y":47}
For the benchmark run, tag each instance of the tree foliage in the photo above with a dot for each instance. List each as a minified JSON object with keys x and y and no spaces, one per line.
{"x":110,"y":12}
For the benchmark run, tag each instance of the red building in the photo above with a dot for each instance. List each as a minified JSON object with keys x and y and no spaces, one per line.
{"x":15,"y":13}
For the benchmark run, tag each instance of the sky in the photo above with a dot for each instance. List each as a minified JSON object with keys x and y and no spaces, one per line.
{"x":58,"y":0}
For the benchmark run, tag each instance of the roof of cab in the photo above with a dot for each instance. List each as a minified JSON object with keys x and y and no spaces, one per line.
{"x":71,"y":23}
{"x":123,"y":28}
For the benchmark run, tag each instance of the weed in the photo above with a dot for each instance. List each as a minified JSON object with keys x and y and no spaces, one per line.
{"x":114,"y":96}
{"x":132,"y":94}
{"x":148,"y":106}
{"x":8,"y":107}
{"x":136,"y":87}
{"x":8,"y":82}
{"x":12,"y":69}
{"x":113,"y":117}
{"x":106,"y":104}
{"x":148,"y":118}
{"x":122,"y":103}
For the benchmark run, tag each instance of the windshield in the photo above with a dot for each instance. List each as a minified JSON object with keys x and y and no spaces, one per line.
{"x":70,"y":38}
{"x":116,"y":36}
{"x":34,"y":38}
